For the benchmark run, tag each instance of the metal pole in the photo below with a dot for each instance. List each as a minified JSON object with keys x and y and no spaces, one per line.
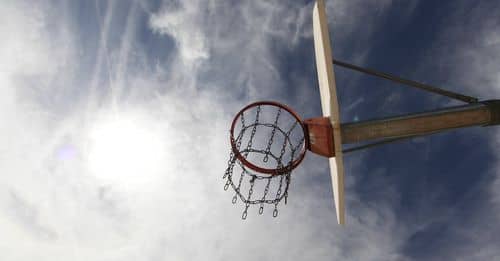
{"x":415,"y":84}
{"x":478,"y":114}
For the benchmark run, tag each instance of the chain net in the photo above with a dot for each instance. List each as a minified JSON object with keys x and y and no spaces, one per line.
{"x":271,"y":138}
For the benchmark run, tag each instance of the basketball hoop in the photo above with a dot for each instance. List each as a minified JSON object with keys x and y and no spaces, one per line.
{"x":261,"y":127}
{"x":268,"y":140}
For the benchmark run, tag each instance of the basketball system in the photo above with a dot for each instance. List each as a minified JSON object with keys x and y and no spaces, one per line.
{"x":269,"y":140}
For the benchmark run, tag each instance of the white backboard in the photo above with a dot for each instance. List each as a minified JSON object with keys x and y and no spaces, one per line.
{"x":329,"y":104}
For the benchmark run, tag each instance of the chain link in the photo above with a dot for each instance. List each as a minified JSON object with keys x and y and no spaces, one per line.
{"x":268,"y":148}
{"x":242,"y":118}
{"x":254,"y":130}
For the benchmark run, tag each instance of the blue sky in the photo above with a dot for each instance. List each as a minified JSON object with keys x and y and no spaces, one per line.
{"x":115,"y":119}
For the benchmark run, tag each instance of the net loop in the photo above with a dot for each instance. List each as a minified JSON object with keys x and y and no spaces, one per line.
{"x":267,"y":142}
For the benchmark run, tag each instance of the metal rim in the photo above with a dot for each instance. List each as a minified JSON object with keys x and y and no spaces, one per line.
{"x":276,"y":171}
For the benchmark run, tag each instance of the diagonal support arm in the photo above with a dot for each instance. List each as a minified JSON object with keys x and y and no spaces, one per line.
{"x":425,"y":87}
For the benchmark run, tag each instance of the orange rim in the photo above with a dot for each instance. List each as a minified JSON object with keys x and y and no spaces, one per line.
{"x":274,"y":171}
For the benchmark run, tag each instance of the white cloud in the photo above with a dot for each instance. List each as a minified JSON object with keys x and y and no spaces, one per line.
{"x":192,"y":42}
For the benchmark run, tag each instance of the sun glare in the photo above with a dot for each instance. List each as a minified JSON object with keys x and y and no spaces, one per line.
{"x":125,"y":151}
